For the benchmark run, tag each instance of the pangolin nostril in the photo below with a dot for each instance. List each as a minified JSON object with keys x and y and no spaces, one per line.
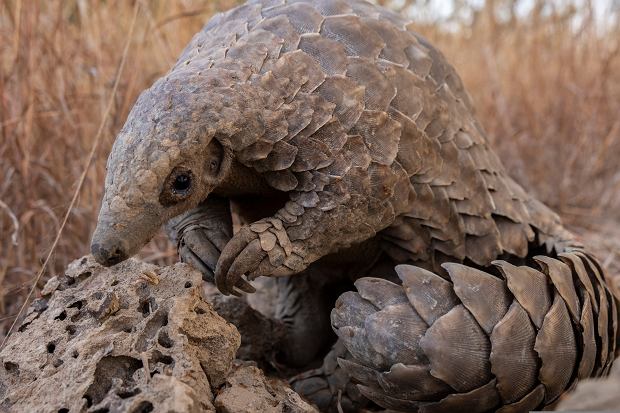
{"x":117,"y":256}
{"x":108,"y":256}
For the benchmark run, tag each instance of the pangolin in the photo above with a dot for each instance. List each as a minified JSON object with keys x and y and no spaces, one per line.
{"x":353,"y":148}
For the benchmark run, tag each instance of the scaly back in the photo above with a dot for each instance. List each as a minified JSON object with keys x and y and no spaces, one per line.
{"x":345,"y":89}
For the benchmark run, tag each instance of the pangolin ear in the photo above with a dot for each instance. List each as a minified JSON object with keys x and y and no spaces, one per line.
{"x":218,"y":159}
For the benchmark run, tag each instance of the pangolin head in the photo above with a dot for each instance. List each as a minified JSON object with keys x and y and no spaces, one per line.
{"x":164,"y":162}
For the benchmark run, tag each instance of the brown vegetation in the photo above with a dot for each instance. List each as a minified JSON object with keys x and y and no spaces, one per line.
{"x":546,"y":86}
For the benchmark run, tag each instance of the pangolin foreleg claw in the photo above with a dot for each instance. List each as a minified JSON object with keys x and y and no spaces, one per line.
{"x":201,"y":234}
{"x":250,"y":252}
{"x":241,"y":255}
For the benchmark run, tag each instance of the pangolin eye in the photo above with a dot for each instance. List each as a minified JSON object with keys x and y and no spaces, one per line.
{"x":178,"y":186}
{"x":182,"y":182}
{"x":214,"y":165}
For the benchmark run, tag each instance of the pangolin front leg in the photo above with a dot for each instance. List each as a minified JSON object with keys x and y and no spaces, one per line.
{"x":302,"y":232}
{"x":201,"y":233}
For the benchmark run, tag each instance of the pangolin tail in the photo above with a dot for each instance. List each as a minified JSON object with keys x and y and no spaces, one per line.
{"x":507,"y":338}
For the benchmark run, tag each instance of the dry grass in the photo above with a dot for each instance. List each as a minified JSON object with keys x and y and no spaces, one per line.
{"x":58,"y":61}
{"x":547,"y":91}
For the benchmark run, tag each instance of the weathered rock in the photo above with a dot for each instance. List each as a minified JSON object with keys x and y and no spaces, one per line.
{"x":132,"y":338}
{"x":247,"y":390}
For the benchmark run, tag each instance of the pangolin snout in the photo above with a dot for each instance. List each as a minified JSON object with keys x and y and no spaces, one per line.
{"x":117,"y":238}
{"x":108,"y":253}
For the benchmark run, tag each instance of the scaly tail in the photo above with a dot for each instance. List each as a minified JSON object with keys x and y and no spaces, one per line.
{"x":511,"y":341}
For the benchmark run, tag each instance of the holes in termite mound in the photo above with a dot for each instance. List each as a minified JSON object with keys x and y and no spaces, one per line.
{"x":159,"y":320}
{"x":199,"y":310}
{"x":77,"y":305}
{"x":79,"y":278}
{"x":63,"y":410}
{"x":124,"y":323}
{"x":147,"y":306}
{"x":128,"y":393}
{"x":61,"y":316}
{"x":51,"y":347}
{"x":160,"y":363}
{"x":167,"y":360}
{"x":71,"y":281}
{"x":89,"y":400}
{"x":164,"y":340}
{"x":71,"y":329}
{"x":158,"y":357}
{"x":109,"y":370}
{"x":11,"y":367}
{"x":84,"y":275}
{"x":188,"y":284}
{"x":144,"y":407}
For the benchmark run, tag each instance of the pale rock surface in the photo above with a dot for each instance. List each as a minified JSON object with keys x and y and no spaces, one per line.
{"x":247,"y":390}
{"x":131,"y":338}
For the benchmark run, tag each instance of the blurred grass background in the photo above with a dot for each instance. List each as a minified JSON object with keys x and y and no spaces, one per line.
{"x":545,"y":77}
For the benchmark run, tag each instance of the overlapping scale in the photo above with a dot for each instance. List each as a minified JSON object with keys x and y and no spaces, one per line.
{"x":412,"y":382}
{"x":470,"y":284}
{"x":562,"y":279}
{"x":530,"y":287}
{"x":428,"y":293}
{"x":450,"y":362}
{"x":529,"y":402}
{"x":513,"y":359}
{"x":395,"y":333}
{"x":588,"y":352}
{"x":458,"y":350}
{"x":482,"y":399}
{"x":556,"y":347}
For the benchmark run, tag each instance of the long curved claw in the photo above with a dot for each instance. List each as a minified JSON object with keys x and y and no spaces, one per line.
{"x":198,"y":250}
{"x":244,"y":286}
{"x":229,"y":255}
{"x":265,"y":268}
{"x":202,"y":246}
{"x":219,"y":239}
{"x":189,"y":257}
{"x":247,"y":261}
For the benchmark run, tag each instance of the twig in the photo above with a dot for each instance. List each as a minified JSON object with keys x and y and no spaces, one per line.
{"x":8,"y":317}
{"x":89,"y":161}
{"x":13,"y":219}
